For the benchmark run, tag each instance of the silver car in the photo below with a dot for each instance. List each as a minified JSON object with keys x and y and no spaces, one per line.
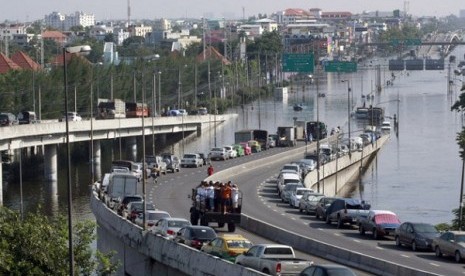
{"x":450,"y":243}
{"x":168,"y":227}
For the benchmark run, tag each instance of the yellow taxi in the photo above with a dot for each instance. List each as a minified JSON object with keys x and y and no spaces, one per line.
{"x":227,"y":246}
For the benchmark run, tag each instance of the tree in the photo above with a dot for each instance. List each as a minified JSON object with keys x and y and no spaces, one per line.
{"x":38,"y":245}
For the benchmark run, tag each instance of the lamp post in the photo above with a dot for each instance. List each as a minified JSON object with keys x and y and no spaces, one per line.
{"x":159,"y":92}
{"x":348,"y":114}
{"x":75,"y":49}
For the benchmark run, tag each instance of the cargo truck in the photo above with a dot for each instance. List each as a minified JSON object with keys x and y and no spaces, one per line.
{"x":286,"y":136}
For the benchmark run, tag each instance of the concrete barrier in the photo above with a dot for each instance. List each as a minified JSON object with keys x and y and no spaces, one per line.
{"x":327,"y":251}
{"x":142,"y":253}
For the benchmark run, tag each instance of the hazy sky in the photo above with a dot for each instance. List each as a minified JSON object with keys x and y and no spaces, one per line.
{"x":28,"y":10}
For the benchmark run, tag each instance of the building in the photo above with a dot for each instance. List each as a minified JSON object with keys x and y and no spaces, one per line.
{"x":162,"y":25}
{"x":6,"y":64}
{"x":62,"y":22}
{"x":291,"y":16}
{"x":56,"y":36}
{"x":7,"y":31}
{"x":110,"y":55}
{"x":100,"y":31}
{"x":140,"y":30}
{"x":24,"y":61}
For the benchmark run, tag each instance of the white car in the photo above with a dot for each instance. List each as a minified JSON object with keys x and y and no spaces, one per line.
{"x":72,"y":116}
{"x":218,"y":154}
{"x":168,"y":227}
{"x":183,"y":112}
{"x":191,"y":160}
{"x":232,"y":153}
{"x":297,"y":195}
{"x":286,"y":177}
{"x":292,"y":167}
{"x":152,"y":217}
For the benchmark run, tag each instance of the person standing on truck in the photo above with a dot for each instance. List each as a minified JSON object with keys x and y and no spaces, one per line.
{"x":217,"y":197}
{"x":235,"y":197}
{"x":210,"y":196}
{"x":210,"y":170}
{"x":225,"y":197}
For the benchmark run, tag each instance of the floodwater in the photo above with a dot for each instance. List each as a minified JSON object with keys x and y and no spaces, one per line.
{"x":416,"y":174}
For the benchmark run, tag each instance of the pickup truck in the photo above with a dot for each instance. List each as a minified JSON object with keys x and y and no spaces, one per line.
{"x":380,"y":223}
{"x":273,"y":259}
{"x":347,"y":210}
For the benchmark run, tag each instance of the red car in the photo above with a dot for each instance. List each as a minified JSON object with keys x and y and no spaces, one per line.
{"x":247,"y":148}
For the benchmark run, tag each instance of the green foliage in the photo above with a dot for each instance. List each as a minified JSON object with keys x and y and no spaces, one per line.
{"x":441,"y":227}
{"x":38,"y":245}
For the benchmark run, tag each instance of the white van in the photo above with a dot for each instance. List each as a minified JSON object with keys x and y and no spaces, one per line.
{"x":286,"y":177}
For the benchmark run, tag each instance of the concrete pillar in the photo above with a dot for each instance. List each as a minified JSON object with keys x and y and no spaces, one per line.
{"x":97,"y":160}
{"x":132,"y":147}
{"x":50,"y":163}
{"x":162,"y":139}
{"x":53,"y":190}
{"x":1,"y":182}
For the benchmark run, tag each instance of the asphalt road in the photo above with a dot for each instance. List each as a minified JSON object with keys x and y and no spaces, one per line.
{"x":261,"y":201}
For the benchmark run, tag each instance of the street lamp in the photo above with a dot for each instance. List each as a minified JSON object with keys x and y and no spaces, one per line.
{"x":348,"y":113}
{"x":84,"y":49}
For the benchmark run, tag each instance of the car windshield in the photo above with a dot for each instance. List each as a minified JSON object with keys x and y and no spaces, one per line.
{"x":217,"y":149}
{"x":290,"y":167}
{"x":204,"y":233}
{"x":425,"y":228}
{"x":291,"y":181}
{"x":178,"y":223}
{"x":157,"y":216}
{"x":189,"y":156}
{"x":292,"y":186}
{"x":300,"y":192}
{"x":239,"y":244}
{"x":386,"y":218}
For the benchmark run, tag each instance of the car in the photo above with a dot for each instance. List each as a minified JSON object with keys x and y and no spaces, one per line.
{"x":306,"y":166}
{"x":271,"y":142}
{"x":156,"y":165}
{"x":135,"y":208}
{"x":320,"y":210}
{"x":297,"y":195}
{"x":288,"y":190}
{"x":195,"y":236}
{"x":328,"y":151}
{"x":347,"y":210}
{"x":202,"y":111}
{"x":292,"y":167}
{"x":451,"y":243}
{"x":308,"y":202}
{"x":227,"y":246}
{"x":8,"y":119}
{"x":286,"y":177}
{"x":123,"y":204}
{"x":172,"y":162}
{"x":152,"y":217}
{"x":232,"y":153}
{"x":191,"y":160}
{"x":380,"y":223}
{"x":168,"y":227}
{"x":247,"y":148}
{"x":386,"y":126}
{"x":239,"y":149}
{"x":255,"y":146}
{"x":183,"y":112}
{"x":205,"y":158}
{"x":218,"y":154}
{"x":417,"y":235}
{"x":327,"y":270}
{"x":342,"y":150}
{"x":71,"y":116}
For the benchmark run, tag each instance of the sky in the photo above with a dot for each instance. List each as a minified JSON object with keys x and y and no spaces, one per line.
{"x":30,"y":10}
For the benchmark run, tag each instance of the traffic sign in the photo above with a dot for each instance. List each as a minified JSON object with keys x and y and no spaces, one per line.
{"x":297,"y":62}
{"x":341,"y":66}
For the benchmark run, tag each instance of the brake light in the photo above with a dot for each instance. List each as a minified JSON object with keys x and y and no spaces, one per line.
{"x":232,"y":253}
{"x":278,"y":268}
{"x":170,"y":232}
{"x":196,"y":243}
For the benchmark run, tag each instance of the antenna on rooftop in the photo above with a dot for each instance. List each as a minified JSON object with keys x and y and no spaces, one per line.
{"x":243,"y":13}
{"x":129,"y":13}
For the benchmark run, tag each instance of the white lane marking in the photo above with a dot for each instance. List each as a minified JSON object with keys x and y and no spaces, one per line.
{"x":433,"y":264}
{"x":321,"y":229}
{"x":406,"y":256}
{"x":336,"y":234}
{"x":356,"y":241}
{"x":293,"y":218}
{"x":283,"y":214}
{"x":380,"y":248}
{"x":275,"y":210}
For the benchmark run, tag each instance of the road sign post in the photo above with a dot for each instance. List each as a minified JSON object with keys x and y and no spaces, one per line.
{"x":341,"y":66}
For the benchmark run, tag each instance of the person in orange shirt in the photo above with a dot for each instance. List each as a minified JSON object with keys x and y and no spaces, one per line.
{"x":225,"y":197}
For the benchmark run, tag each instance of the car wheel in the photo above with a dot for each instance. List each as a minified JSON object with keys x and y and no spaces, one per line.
{"x":340,"y":224}
{"x":457,"y":257}
{"x":414,"y":246}
{"x":300,"y":210}
{"x":361,"y":230}
{"x":317,"y":216}
{"x":437,"y":252}
{"x":375,"y":234}
{"x":398,"y":241}
{"x":328,"y":220}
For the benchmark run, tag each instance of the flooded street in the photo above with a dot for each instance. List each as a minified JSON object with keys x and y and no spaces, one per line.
{"x":417,"y":174}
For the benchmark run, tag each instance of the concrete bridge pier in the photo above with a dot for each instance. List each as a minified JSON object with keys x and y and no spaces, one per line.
{"x":162,"y":139}
{"x":50,"y":162}
{"x":131,"y":143}
{"x":1,"y":183}
{"x":96,"y":159}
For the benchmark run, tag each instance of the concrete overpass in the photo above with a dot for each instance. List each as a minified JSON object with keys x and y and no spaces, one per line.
{"x":46,"y":137}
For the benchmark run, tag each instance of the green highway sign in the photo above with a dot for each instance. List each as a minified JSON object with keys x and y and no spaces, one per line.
{"x":341,"y":66}
{"x":406,"y":42}
{"x":297,"y":62}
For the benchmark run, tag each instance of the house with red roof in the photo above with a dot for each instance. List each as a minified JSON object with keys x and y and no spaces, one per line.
{"x":24,"y":61}
{"x":6,"y":64}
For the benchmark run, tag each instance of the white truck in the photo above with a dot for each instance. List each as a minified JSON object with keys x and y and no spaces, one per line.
{"x":273,"y":259}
